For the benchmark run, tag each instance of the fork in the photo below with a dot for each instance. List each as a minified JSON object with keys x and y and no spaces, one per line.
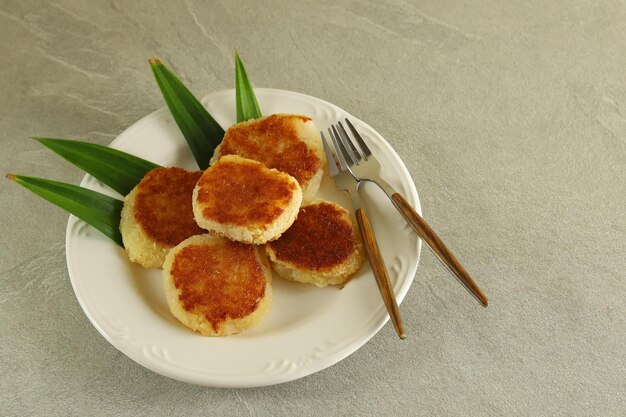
{"x":346,"y":181}
{"x":364,"y":166}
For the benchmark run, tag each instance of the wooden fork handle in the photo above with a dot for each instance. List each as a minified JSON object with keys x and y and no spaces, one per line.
{"x":433,"y":241}
{"x":380,"y":270}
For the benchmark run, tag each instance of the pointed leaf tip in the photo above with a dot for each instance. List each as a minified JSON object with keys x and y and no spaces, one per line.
{"x":202,"y":132}
{"x":98,"y":210}
{"x":246,"y":102}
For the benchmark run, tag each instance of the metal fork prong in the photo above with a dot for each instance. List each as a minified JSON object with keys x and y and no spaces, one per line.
{"x":347,"y":142}
{"x":332,"y":164}
{"x":366,"y":151}
{"x":341,"y":147}
{"x":343,"y":165}
{"x":345,"y":149}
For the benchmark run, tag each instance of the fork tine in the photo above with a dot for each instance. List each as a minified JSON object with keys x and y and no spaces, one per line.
{"x":347,"y":142}
{"x":343,"y":166}
{"x":330,"y":158}
{"x":366,"y":151}
{"x":343,"y":147}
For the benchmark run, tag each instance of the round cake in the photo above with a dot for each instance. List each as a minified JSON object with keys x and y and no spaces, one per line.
{"x":243,"y":200}
{"x":322,"y":247}
{"x":216,"y":286}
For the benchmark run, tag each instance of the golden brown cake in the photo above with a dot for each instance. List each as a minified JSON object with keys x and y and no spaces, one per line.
{"x":322,"y":247}
{"x":243,"y":200}
{"x":216,"y":286}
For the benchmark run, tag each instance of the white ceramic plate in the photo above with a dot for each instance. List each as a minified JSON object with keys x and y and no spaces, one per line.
{"x":307,"y":328}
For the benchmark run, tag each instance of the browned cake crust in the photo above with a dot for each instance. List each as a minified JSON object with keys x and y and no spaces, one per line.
{"x":163,"y":205}
{"x":319,"y":238}
{"x":322,"y":247}
{"x":216,"y":286}
{"x":274,"y":141}
{"x":208,"y":285}
{"x":246,"y":201}
{"x":242,"y":193}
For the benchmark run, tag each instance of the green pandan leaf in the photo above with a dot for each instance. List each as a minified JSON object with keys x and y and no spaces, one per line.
{"x":117,"y":169}
{"x":247,"y":105}
{"x":98,"y":210}
{"x":202,"y":132}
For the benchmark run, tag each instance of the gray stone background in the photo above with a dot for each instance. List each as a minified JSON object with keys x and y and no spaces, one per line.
{"x":510,"y":116}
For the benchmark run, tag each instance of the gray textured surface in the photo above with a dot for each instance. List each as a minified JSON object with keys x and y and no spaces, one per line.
{"x":511,"y":117}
